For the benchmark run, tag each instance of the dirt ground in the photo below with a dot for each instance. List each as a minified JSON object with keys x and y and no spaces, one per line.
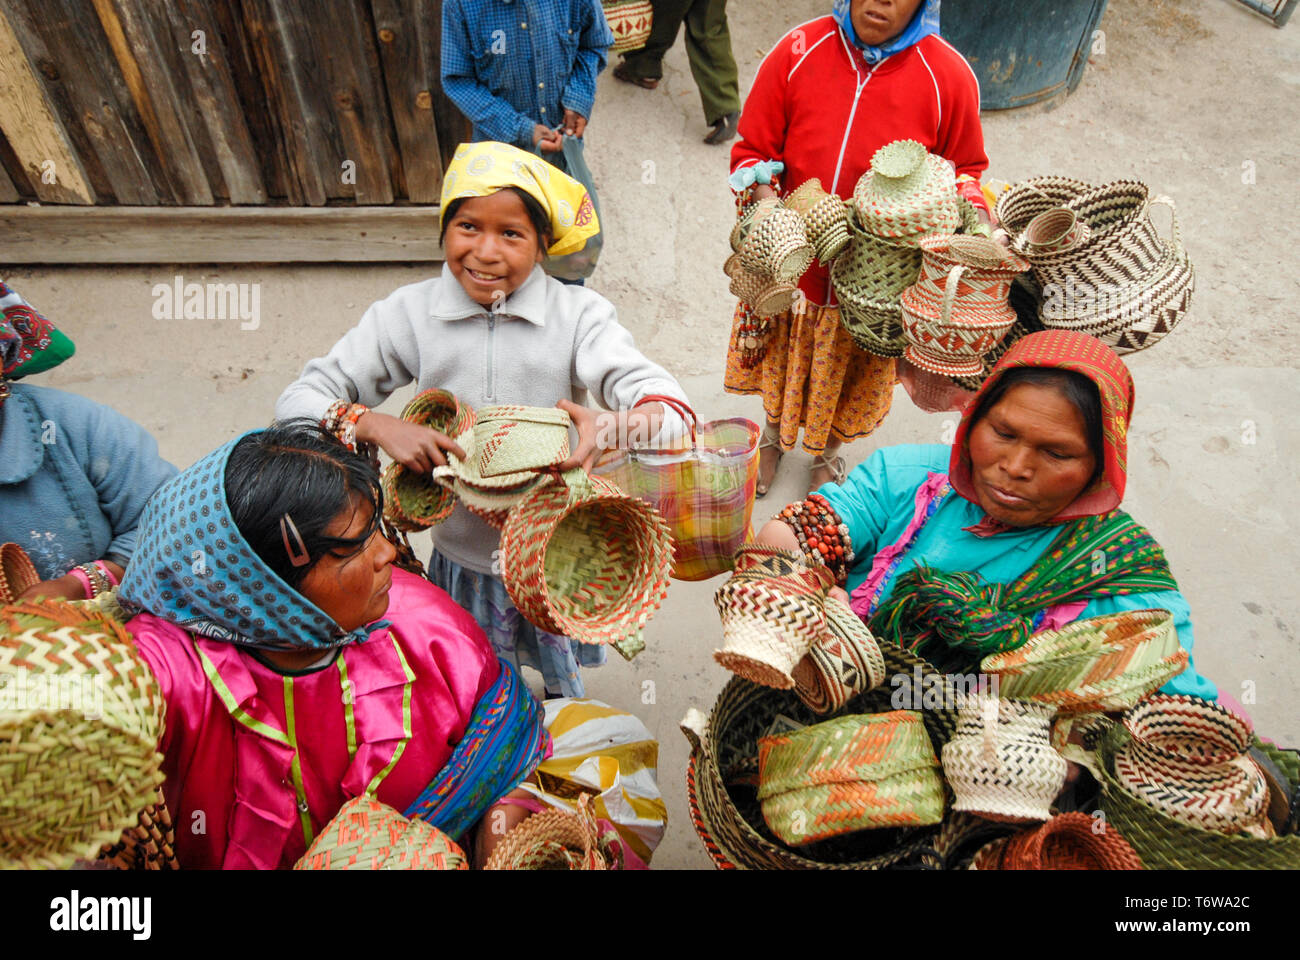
{"x":1196,"y":98}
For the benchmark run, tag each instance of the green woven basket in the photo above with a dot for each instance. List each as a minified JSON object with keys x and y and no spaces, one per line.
{"x":725,"y":760}
{"x":855,"y":772}
{"x":511,"y":439}
{"x":1164,"y":843}
{"x":417,"y":501}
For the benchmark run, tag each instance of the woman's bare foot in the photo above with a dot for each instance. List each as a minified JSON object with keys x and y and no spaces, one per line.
{"x":769,"y":458}
{"x":828,"y":468}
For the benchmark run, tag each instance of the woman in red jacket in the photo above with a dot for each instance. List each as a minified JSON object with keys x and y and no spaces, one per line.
{"x":827,"y":97}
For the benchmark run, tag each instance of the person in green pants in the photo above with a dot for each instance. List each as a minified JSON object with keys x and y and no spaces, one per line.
{"x":708,"y":46}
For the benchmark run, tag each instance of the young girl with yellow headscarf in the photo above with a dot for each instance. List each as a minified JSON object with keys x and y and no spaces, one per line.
{"x":493,"y":328}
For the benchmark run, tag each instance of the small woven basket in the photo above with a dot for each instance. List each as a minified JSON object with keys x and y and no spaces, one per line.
{"x":415,"y":501}
{"x":630,"y":21}
{"x":81,"y":716}
{"x":1068,"y":841}
{"x":368,"y":835}
{"x":1098,"y":664}
{"x":1018,"y":206}
{"x":772,"y":612}
{"x":513,"y":439}
{"x":765,"y":296}
{"x":17,"y":572}
{"x":723,"y":771}
{"x":852,"y":773}
{"x":907,"y":194}
{"x":868,"y":279}
{"x":776,"y":247}
{"x":1165,"y":843}
{"x":844,"y":661}
{"x":585,"y":560}
{"x":1187,"y":758}
{"x":552,"y":840}
{"x":826,"y":218}
{"x":1000,"y":763}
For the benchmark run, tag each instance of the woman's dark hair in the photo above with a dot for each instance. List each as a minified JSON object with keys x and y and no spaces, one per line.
{"x":1075,"y":387}
{"x":539,"y":218}
{"x":298,"y":468}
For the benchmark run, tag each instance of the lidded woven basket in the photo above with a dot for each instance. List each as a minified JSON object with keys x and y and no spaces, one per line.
{"x":907,"y":194}
{"x":585,"y":560}
{"x":1000,"y":763}
{"x":855,"y":772}
{"x":512,"y":439}
{"x":368,"y":835}
{"x":1098,"y":664}
{"x":416,"y":501}
{"x":81,"y":716}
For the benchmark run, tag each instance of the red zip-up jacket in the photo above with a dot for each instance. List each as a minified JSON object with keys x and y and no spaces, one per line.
{"x":820,"y":108}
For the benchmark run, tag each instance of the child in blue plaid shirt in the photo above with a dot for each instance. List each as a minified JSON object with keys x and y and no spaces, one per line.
{"x":524,"y":71}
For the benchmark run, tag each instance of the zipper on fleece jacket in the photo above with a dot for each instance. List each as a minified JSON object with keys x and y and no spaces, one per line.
{"x":853,"y":112}
{"x":489,"y":362}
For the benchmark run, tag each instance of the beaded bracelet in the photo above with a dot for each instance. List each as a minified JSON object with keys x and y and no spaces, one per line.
{"x":341,"y":420}
{"x":823,"y":536}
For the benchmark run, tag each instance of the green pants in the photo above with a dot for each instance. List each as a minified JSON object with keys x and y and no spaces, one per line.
{"x":708,"y":47}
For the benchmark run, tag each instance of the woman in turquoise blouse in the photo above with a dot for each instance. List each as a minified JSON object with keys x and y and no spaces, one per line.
{"x":965,"y":550}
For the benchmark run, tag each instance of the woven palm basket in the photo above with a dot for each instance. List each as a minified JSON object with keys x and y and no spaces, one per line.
{"x":765,"y":296}
{"x":1025,"y":303}
{"x":1097,"y":664}
{"x":17,"y":572}
{"x":1068,"y":841}
{"x":747,"y":217}
{"x":963,"y":835}
{"x":772,"y":610}
{"x":1000,"y":763}
{"x":723,"y":770}
{"x":907,"y":194}
{"x":1165,"y":843}
{"x":826,"y":218}
{"x":368,"y":835}
{"x":1018,"y":206}
{"x":512,"y":439}
{"x":552,"y":840}
{"x":585,"y":560}
{"x":856,"y":772}
{"x":415,"y":501}
{"x":630,"y":21}
{"x":81,"y":716}
{"x":868,"y":279}
{"x":844,"y":661}
{"x":777,"y":247}
{"x":149,"y":845}
{"x":1187,"y":758}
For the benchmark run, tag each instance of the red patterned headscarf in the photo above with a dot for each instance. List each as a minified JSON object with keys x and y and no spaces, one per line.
{"x":1066,"y":350}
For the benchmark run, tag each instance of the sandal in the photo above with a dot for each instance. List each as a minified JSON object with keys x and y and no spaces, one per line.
{"x":621,"y":72}
{"x":836,"y":465}
{"x":768,"y":441}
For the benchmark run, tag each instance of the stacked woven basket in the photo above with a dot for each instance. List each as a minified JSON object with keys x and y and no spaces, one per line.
{"x":580,"y":557}
{"x":808,"y":762}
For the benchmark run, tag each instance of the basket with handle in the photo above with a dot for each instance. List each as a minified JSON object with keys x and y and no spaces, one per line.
{"x":585,"y":560}
{"x":368,"y":835}
{"x":552,"y":840}
{"x":703,"y":489}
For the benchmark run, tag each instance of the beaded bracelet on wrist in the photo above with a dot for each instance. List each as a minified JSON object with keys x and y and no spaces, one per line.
{"x":823,"y":537}
{"x":341,"y":420}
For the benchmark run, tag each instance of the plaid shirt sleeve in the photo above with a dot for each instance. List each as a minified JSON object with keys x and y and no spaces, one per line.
{"x":492,"y":116}
{"x":593,"y":47}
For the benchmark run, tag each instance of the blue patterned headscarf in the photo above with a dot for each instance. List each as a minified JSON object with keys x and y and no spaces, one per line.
{"x":924,"y":22}
{"x":193,"y":568}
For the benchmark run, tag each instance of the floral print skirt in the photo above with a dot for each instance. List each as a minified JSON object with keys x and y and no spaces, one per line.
{"x":810,"y":374}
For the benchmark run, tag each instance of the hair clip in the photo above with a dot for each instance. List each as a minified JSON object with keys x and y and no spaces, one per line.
{"x":300,"y":557}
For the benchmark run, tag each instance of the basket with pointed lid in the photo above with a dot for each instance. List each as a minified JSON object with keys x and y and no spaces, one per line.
{"x":907,"y":194}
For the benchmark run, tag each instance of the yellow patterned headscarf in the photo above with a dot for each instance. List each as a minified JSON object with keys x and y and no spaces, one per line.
{"x":480,"y":169}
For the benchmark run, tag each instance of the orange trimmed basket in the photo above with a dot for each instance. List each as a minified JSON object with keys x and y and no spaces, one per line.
{"x":415,"y":501}
{"x":585,"y":560}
